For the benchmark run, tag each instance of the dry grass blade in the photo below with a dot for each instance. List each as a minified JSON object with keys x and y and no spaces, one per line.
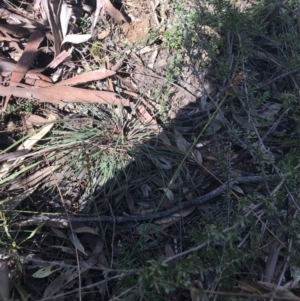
{"x":40,"y":176}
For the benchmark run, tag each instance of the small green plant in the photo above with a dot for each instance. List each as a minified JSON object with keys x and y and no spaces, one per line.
{"x":83,"y":23}
{"x":24,"y":106}
{"x":95,"y":48}
{"x":28,"y":109}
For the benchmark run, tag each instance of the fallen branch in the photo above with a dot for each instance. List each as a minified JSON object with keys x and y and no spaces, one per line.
{"x":64,"y":222}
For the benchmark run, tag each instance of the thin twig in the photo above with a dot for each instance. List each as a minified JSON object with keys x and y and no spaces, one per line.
{"x":278,"y":78}
{"x":275,"y":125}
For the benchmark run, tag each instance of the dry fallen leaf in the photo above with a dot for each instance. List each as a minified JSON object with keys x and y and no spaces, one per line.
{"x":103,"y":34}
{"x":146,"y":189}
{"x":174,"y":218}
{"x":59,"y":233}
{"x":195,"y":288}
{"x":168,"y":251}
{"x":33,"y":119}
{"x":60,"y":281}
{"x":163,"y":137}
{"x":163,"y":163}
{"x":181,"y":143}
{"x":46,"y":271}
{"x":65,"y":15}
{"x":64,"y":249}
{"x":238,"y":189}
{"x":215,"y":125}
{"x":85,"y":229}
{"x":198,"y":156}
{"x":76,"y":242}
{"x":67,"y":276}
{"x":130,"y":203}
{"x":16,"y":30}
{"x":251,"y":286}
{"x":30,"y":142}
{"x":269,"y":110}
{"x":76,"y":38}
{"x":99,"y":6}
{"x":169,"y":194}
{"x":113,"y":12}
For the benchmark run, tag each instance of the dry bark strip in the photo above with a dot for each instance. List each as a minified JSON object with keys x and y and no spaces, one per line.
{"x":57,"y":94}
{"x":64,"y":222}
{"x":28,"y":56}
{"x":52,"y":10}
{"x":87,"y":77}
{"x":25,"y":60}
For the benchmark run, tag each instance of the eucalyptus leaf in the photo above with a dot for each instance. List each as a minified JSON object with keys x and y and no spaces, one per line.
{"x":76,"y":38}
{"x":46,"y":271}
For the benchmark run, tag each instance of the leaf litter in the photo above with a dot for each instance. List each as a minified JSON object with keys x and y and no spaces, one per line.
{"x":96,"y":136}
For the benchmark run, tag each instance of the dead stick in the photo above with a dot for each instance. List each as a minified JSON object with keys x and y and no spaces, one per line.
{"x":278,"y":78}
{"x":63,"y":222}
